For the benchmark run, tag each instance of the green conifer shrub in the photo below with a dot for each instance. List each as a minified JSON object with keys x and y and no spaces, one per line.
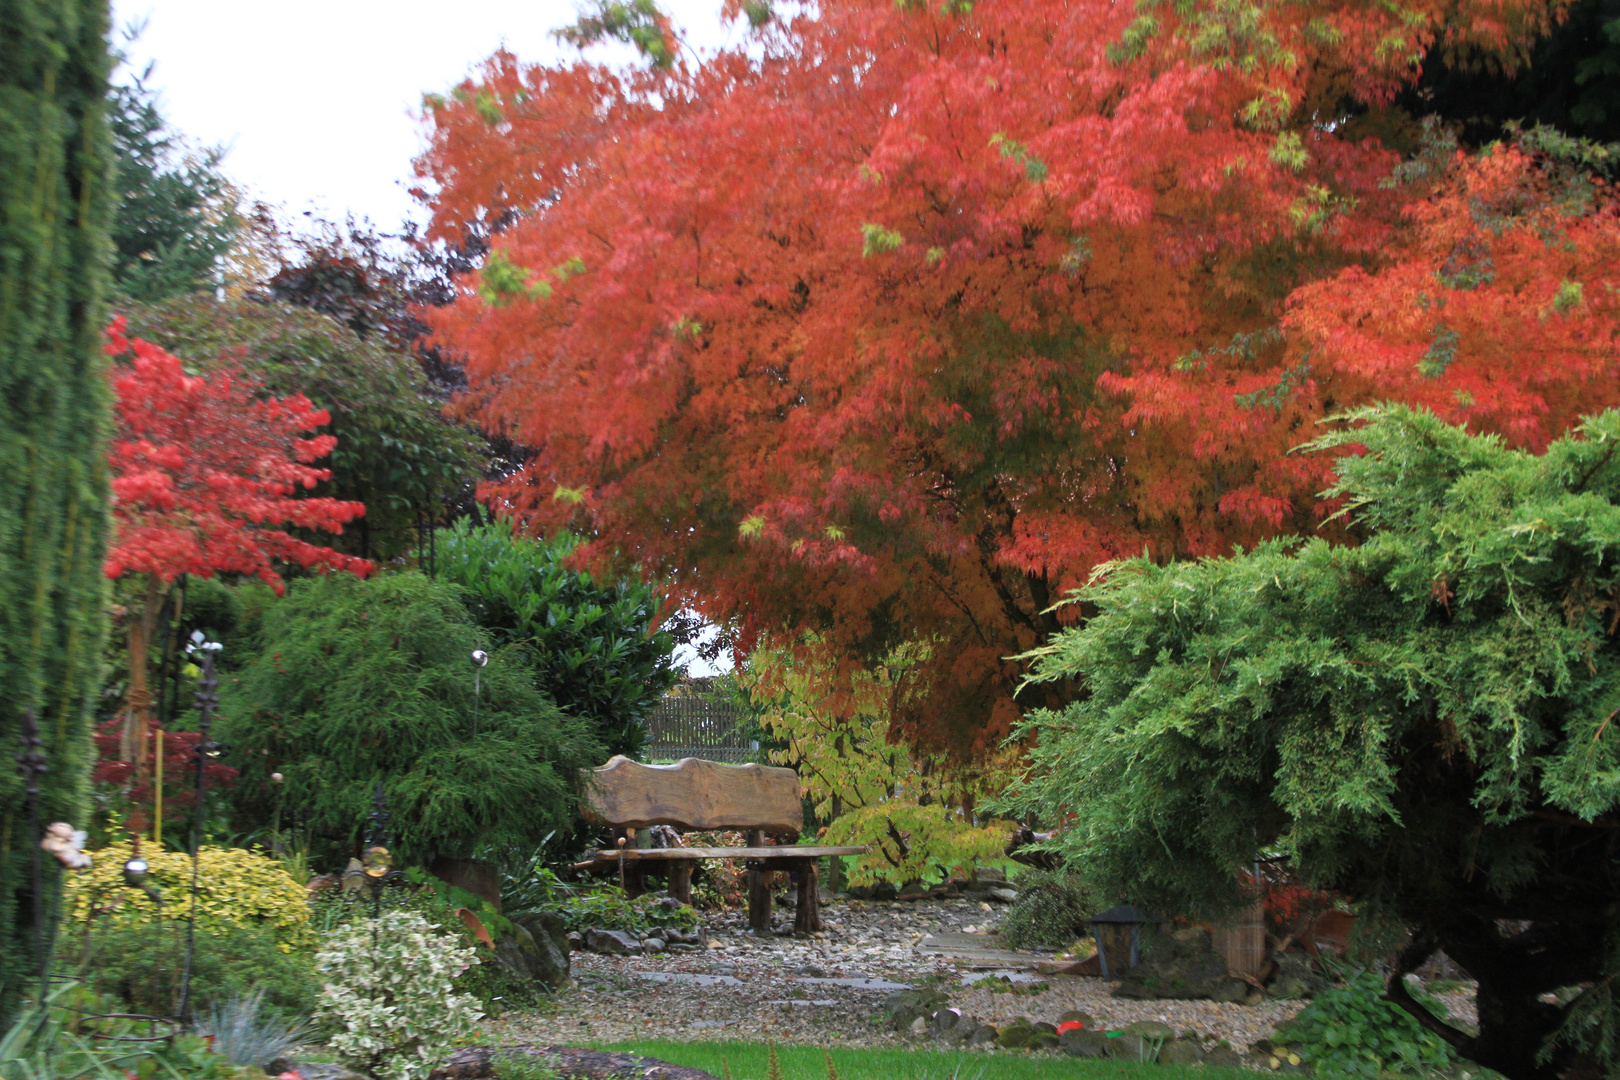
{"x":349,"y":682}
{"x":54,"y":416}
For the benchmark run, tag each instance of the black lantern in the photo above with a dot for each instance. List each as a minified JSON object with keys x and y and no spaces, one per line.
{"x":1119,"y":938}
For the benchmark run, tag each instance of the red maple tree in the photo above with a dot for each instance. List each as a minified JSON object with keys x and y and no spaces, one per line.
{"x":202,"y":472}
{"x":898,"y":321}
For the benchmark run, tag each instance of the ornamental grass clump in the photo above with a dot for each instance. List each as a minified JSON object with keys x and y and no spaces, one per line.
{"x":389,"y":997}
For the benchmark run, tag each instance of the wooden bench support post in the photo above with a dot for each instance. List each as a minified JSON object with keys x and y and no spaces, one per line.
{"x":680,"y":880}
{"x":807,"y":916}
{"x":759,"y":888}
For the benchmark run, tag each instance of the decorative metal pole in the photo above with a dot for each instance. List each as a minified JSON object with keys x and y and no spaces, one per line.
{"x":479,"y":659}
{"x":378,"y":859}
{"x":31,"y":763}
{"x":207,"y":701}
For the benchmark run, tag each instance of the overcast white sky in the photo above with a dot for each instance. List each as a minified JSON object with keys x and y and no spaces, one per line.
{"x":314,"y":98}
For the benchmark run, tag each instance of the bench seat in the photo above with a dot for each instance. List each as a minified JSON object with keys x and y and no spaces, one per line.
{"x":787,"y":851}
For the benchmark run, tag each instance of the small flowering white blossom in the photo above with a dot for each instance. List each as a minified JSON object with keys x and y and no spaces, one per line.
{"x":389,"y":1002}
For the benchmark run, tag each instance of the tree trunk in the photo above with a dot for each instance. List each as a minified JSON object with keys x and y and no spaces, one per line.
{"x":1512,"y":970}
{"x":135,"y":735}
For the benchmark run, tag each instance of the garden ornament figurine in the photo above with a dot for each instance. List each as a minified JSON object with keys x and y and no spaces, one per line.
{"x":67,"y":844}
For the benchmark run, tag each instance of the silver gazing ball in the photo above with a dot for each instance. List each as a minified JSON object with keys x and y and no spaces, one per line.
{"x":479,"y":657}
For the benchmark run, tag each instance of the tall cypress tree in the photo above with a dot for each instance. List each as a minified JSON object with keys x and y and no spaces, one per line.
{"x":54,"y":415}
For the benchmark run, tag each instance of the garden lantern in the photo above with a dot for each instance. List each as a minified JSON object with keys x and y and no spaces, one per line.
{"x":376,"y":862}
{"x":1119,"y":938}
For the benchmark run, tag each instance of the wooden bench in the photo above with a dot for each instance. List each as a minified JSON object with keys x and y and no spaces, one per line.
{"x":694,"y":794}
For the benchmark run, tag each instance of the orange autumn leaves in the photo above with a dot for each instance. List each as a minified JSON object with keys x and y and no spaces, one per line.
{"x":896,"y":323}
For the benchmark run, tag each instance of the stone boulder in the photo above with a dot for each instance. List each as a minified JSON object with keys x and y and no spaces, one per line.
{"x":310,"y":1070}
{"x":1084,"y":1043}
{"x":952,"y":1025}
{"x":904,"y":1006}
{"x":1181,"y":1052}
{"x":1124,"y":1047}
{"x":612,"y":942}
{"x":1183,"y":965}
{"x":547,"y":961}
{"x":564,"y":1062}
{"x":1295,"y":979}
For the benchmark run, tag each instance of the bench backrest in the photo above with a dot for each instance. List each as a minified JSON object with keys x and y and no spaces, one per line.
{"x":693,"y":794}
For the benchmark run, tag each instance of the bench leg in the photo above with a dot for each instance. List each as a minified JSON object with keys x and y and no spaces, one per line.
{"x":807,"y":916}
{"x":680,"y":881}
{"x":759,"y":898}
{"x":635,"y":880}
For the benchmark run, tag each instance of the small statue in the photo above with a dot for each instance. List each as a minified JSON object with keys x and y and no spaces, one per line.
{"x":354,"y":878}
{"x":67,"y":844}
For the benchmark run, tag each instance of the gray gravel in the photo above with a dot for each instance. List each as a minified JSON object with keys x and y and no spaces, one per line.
{"x":829,"y":990}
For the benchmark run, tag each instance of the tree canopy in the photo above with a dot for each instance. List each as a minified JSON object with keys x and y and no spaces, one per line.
{"x":894,"y":322}
{"x":394,"y":451}
{"x":177,"y":215}
{"x":1423,"y":722}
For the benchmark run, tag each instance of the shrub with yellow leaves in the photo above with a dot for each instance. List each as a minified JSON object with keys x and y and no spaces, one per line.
{"x":235,"y":888}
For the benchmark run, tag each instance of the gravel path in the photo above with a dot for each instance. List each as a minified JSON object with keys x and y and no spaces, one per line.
{"x":830,"y":990}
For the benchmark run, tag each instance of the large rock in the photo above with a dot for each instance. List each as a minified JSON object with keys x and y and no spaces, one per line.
{"x":612,"y":942}
{"x":1182,"y":965}
{"x":952,"y":1025}
{"x":1084,"y":1043}
{"x":1181,"y":1052}
{"x":1126,"y":1048}
{"x":904,"y":1006}
{"x":566,"y":1062}
{"x":1295,"y":979}
{"x":543,"y":941}
{"x":310,"y":1070}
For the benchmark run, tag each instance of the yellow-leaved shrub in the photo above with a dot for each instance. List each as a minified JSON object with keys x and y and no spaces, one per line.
{"x":914,"y":810}
{"x":235,"y":888}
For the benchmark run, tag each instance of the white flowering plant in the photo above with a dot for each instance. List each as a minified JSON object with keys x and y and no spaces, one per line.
{"x":388,"y":995}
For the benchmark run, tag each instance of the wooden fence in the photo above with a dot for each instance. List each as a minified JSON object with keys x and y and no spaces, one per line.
{"x":690,"y":725}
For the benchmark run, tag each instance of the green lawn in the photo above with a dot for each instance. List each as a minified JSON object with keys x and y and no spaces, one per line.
{"x":748,"y":1061}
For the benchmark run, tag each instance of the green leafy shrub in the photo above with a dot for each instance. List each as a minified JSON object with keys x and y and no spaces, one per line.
{"x":389,"y":997}
{"x":607,"y":908}
{"x":1352,"y":1031}
{"x":592,"y":641}
{"x":140,"y":963}
{"x":1051,"y":911}
{"x":350,"y":681}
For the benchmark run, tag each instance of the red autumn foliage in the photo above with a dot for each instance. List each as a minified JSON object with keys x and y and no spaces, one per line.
{"x":201,"y":468}
{"x":179,"y":768}
{"x":899,"y":321}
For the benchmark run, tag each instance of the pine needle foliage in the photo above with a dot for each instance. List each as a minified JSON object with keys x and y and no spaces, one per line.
{"x":54,"y":416}
{"x":349,"y":682}
{"x":1423,"y":722}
